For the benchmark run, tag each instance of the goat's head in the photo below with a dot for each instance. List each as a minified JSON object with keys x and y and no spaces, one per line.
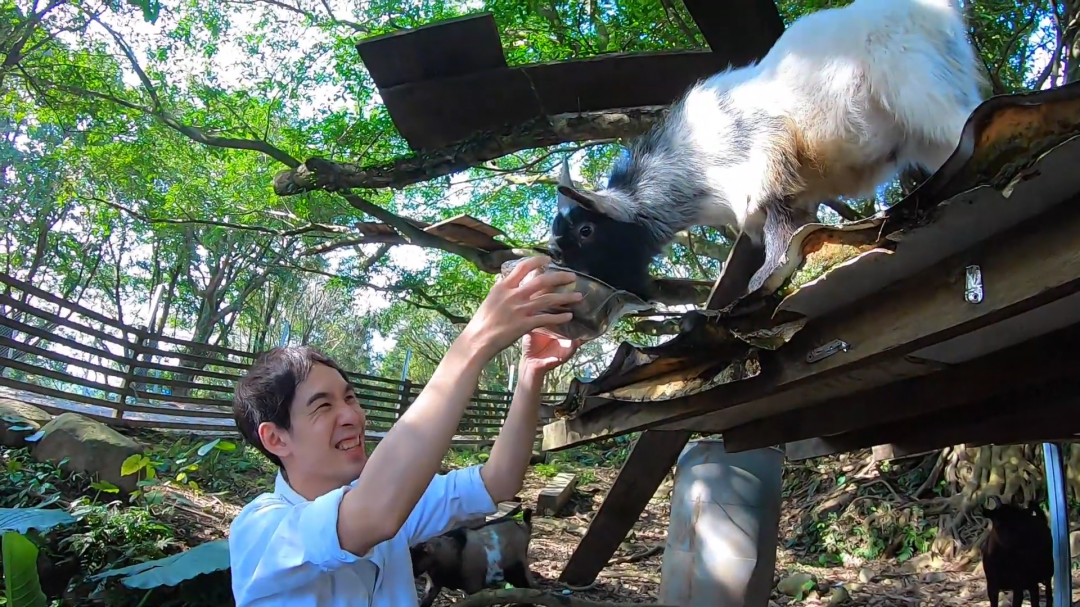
{"x":437,"y":553}
{"x":594,"y":233}
{"x":1010,"y":520}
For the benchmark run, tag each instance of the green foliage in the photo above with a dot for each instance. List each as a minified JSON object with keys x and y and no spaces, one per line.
{"x":23,"y":588}
{"x":171,"y":570}
{"x":21,"y":520}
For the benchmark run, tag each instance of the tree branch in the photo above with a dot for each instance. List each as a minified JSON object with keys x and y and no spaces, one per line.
{"x":321,"y":174}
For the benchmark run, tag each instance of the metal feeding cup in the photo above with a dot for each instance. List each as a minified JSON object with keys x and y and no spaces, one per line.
{"x":595,"y":313}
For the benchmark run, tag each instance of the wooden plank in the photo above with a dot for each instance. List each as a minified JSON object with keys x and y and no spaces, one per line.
{"x":1033,"y":412}
{"x":556,"y":493}
{"x":1041,"y":264}
{"x":495,"y":100}
{"x":740,"y":30}
{"x":649,"y":462}
{"x":1040,"y":359}
{"x":468,"y":104}
{"x":469,"y":231}
{"x":453,"y":47}
{"x":620,"y":80}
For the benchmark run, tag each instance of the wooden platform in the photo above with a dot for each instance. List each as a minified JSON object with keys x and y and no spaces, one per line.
{"x":924,"y":356}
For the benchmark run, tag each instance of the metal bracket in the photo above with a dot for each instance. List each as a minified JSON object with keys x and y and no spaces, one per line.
{"x":973,"y":285}
{"x":823,"y":352}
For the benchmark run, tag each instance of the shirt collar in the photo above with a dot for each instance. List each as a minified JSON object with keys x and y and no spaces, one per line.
{"x":285,"y":490}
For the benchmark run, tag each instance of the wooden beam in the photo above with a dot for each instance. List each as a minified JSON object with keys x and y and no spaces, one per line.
{"x":556,"y":494}
{"x":1039,"y":265}
{"x":650,"y":460}
{"x":1031,"y":413}
{"x":1040,"y":359}
{"x":743,"y":30}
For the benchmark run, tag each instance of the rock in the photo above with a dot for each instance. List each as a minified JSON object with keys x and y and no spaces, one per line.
{"x":1074,"y":544}
{"x":19,"y":420}
{"x":866,"y":575}
{"x":934,"y":577}
{"x":796,"y":584}
{"x":838,"y":596}
{"x":89,"y":446}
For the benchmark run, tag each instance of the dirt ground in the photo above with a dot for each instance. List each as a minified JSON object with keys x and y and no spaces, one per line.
{"x":633,"y":576}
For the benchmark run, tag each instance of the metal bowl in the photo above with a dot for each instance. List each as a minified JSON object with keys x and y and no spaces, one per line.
{"x":595,"y":313}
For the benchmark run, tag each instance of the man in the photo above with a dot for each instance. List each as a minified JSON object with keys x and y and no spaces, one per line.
{"x":337,"y":528}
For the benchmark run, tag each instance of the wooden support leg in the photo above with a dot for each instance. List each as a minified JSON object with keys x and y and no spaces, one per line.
{"x":650,"y":460}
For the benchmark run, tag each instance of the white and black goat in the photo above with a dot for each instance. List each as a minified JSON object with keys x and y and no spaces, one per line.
{"x":1018,"y":554}
{"x":475,"y":558}
{"x":845,"y":99}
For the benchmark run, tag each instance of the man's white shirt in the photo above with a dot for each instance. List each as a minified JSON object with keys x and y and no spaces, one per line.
{"x":284,"y":549}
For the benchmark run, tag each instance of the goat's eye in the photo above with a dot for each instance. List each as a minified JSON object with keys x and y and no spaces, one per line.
{"x":585,"y":231}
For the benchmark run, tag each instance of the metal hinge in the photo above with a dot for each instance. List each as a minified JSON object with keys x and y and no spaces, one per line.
{"x":823,"y":352}
{"x":973,"y":285}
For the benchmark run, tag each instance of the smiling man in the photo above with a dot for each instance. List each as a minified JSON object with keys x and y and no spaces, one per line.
{"x":337,"y":528}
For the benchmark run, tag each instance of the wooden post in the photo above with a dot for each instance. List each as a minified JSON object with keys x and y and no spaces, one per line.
{"x":129,"y":377}
{"x":650,"y":460}
{"x":406,"y":396}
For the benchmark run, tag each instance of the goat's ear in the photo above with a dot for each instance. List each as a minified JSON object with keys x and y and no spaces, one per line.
{"x":595,"y":203}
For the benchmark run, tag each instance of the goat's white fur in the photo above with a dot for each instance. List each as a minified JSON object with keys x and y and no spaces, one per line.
{"x":852,"y":95}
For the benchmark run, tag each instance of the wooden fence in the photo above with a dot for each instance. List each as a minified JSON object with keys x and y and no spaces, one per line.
{"x":52,"y":356}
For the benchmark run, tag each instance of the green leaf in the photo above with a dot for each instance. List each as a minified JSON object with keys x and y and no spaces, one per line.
{"x":20,"y":572}
{"x":133,"y":464}
{"x":226,"y":446}
{"x":208,"y":447}
{"x":22,"y":520}
{"x":105,"y":486}
{"x":22,"y":428}
{"x":171,"y":570}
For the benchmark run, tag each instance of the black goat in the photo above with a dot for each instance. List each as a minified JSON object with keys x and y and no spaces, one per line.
{"x":1018,"y":553}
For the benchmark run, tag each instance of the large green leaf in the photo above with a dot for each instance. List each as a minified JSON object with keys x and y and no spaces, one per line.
{"x":20,"y":572}
{"x":22,"y":520}
{"x":171,"y":570}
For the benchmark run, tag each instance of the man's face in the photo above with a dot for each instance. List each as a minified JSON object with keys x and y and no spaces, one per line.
{"x":326,"y":440}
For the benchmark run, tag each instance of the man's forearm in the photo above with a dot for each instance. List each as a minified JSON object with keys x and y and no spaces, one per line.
{"x":505,"y":470}
{"x":402,"y":467}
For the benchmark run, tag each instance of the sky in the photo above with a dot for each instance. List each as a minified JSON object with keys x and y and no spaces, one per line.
{"x":234,"y":67}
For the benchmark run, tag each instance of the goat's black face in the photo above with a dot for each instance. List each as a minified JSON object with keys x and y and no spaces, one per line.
{"x":615,"y":252}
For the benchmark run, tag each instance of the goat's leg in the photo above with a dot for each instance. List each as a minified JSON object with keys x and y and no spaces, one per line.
{"x":743,"y":261}
{"x":992,"y":592}
{"x":1033,"y":593}
{"x":1048,"y":583}
{"x":781,"y":223}
{"x":519,"y":576}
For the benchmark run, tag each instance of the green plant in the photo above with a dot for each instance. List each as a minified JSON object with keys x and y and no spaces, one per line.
{"x":21,"y":583}
{"x":171,"y":570}
{"x":547,"y":471}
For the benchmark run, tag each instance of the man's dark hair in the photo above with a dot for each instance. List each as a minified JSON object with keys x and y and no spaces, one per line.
{"x":266,"y":391}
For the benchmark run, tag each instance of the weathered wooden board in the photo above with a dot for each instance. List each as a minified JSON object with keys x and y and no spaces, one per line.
{"x":1041,"y":264}
{"x":1040,"y":359}
{"x":556,"y":493}
{"x":444,"y":49}
{"x":742,"y":31}
{"x":1037,"y":412}
{"x":650,"y":460}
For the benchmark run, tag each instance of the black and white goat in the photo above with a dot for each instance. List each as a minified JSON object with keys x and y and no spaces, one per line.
{"x":474,"y":558}
{"x":845,"y":99}
{"x":1018,"y":554}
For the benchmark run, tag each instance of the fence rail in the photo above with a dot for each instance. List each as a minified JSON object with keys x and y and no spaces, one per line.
{"x":52,"y":355}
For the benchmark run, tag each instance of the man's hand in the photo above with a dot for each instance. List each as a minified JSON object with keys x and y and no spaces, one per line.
{"x":514,"y":307}
{"x":542,"y":353}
